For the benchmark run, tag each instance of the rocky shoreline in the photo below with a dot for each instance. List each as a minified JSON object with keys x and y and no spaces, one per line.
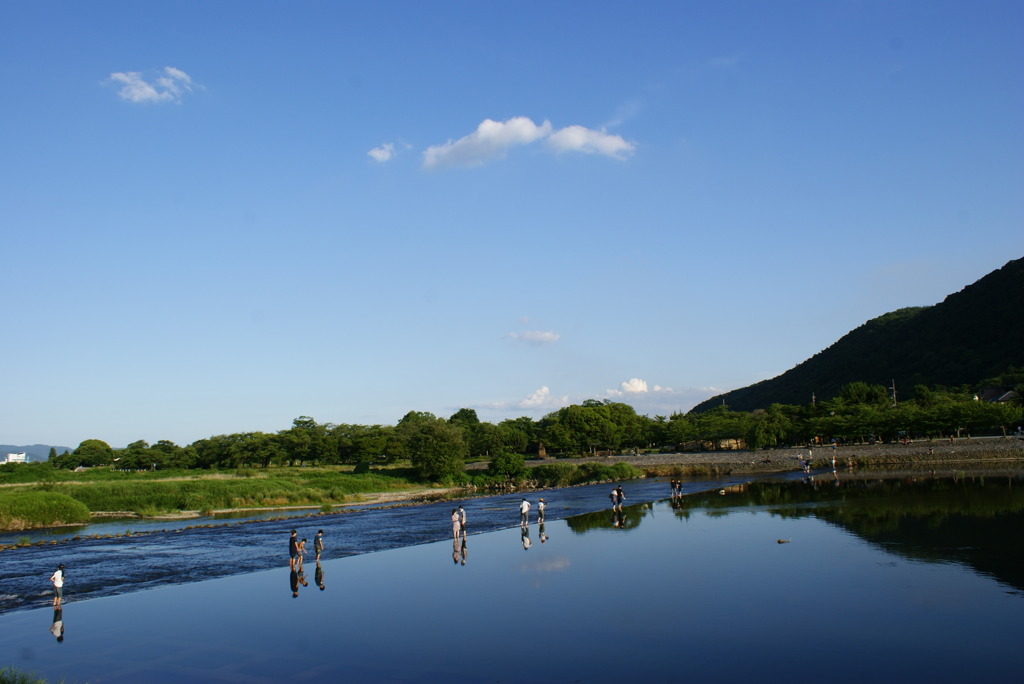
{"x":1007,"y":450}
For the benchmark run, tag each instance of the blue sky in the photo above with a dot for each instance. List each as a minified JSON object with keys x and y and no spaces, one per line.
{"x":217,"y":217}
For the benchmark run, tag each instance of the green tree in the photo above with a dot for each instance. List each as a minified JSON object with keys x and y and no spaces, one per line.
{"x":507,"y":465}
{"x":437,"y":449}
{"x":767,"y":428}
{"x":93,"y":452}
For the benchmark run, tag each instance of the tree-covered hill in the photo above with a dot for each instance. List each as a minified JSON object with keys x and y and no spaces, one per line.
{"x":972,"y":335}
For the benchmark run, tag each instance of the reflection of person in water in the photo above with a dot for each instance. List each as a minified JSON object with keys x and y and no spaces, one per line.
{"x":459,"y":549}
{"x":318,"y":576}
{"x":57,"y":628}
{"x":525,"y":537}
{"x":293,"y":579}
{"x":543,"y":537}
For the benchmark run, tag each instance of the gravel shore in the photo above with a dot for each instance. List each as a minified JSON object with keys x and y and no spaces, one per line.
{"x":944,"y":453}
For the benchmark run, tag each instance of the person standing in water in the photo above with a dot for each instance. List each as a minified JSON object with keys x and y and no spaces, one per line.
{"x":462,"y":519}
{"x":57,"y":579}
{"x":524,"y":512}
{"x":293,"y":549}
{"x":540,"y":511}
{"x":318,"y":544}
{"x":455,"y":524}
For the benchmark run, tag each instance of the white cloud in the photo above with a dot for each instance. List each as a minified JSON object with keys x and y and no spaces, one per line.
{"x":634,"y":385}
{"x":658,"y":400}
{"x":649,"y":400}
{"x":169,"y":86}
{"x":581,"y":139}
{"x":542,"y":399}
{"x":535,"y":337}
{"x":490,"y":140}
{"x":383,"y":153}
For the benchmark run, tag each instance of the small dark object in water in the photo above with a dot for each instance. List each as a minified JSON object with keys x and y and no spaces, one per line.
{"x":784,"y":541}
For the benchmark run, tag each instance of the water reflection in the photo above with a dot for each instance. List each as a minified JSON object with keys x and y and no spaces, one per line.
{"x":459,"y":549}
{"x":621,"y":518}
{"x":967,"y":520}
{"x":57,"y":628}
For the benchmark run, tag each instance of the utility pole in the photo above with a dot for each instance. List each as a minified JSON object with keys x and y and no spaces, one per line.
{"x":893,"y":388}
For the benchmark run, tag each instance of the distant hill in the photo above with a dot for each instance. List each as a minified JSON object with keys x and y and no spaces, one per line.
{"x":33,"y":452}
{"x":973,"y":335}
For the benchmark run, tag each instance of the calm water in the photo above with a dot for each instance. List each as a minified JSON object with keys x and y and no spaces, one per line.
{"x":902,"y":581}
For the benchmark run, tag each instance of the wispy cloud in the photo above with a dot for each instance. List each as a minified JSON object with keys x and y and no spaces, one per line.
{"x":534,"y":337}
{"x":543,"y":399}
{"x":383,"y":153}
{"x":490,"y":140}
{"x":646,"y":399}
{"x":168,"y":85}
{"x":493,"y":139}
{"x":580,"y":139}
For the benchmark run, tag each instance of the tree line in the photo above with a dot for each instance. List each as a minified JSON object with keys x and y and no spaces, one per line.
{"x":439,"y":447}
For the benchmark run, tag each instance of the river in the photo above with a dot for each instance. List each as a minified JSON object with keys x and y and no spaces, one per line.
{"x":195,"y":550}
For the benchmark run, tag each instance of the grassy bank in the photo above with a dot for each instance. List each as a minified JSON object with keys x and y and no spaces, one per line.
{"x":146,"y":494}
{"x":42,"y":497}
{"x":23,"y":510}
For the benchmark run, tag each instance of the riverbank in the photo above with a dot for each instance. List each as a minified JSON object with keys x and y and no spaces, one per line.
{"x":921,"y":454}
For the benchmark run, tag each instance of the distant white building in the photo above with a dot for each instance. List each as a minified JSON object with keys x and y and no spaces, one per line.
{"x":16,"y":458}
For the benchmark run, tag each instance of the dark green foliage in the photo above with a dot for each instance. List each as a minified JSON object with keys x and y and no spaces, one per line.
{"x":974,"y":334}
{"x":284,"y":487}
{"x":437,"y":449}
{"x":507,"y":466}
{"x":566,"y":474}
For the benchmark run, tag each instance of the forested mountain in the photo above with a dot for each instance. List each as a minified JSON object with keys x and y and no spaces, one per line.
{"x":971,"y":336}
